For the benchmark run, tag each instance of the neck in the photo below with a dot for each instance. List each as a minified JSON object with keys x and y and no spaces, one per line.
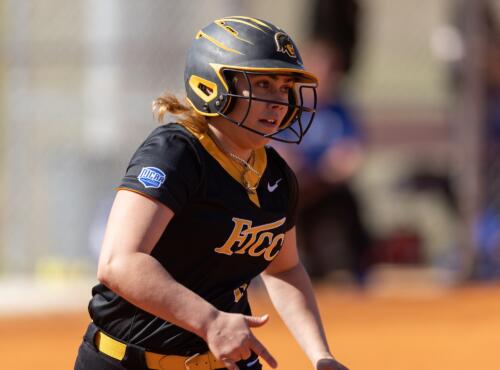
{"x":229,"y":144}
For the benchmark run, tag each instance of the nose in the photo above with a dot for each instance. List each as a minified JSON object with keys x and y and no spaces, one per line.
{"x":278,"y":97}
{"x":277,"y":107}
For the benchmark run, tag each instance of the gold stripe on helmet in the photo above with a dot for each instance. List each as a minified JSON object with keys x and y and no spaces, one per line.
{"x":201,"y":34}
{"x":253,"y":20}
{"x":231,"y":19}
{"x":221,"y":23}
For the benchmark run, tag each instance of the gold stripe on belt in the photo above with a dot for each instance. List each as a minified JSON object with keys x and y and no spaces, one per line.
{"x":157,"y":361}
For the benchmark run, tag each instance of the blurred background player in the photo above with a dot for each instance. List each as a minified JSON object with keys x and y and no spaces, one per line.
{"x":331,"y":230}
{"x":487,"y":233}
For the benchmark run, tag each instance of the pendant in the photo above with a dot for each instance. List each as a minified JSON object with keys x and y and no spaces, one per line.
{"x":251,"y":189}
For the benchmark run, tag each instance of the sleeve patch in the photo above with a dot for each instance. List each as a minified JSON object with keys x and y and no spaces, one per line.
{"x":151,"y":177}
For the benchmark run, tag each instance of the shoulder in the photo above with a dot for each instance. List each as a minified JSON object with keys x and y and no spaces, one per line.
{"x":169,"y":142}
{"x":276,"y":162}
{"x":279,"y":169}
{"x":167,"y":166}
{"x":168,"y":134}
{"x":275,"y":159}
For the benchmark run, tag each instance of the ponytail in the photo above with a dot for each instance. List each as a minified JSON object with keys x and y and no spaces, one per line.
{"x":188,"y":117}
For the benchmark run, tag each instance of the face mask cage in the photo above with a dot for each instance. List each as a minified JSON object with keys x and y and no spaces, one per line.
{"x":297,"y":121}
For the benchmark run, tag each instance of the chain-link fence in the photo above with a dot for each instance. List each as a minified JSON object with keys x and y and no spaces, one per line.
{"x":77,"y":80}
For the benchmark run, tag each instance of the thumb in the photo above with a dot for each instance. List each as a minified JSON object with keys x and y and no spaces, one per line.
{"x":256,"y":321}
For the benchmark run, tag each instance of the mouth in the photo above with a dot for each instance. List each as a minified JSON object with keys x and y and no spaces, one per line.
{"x":269,"y":122}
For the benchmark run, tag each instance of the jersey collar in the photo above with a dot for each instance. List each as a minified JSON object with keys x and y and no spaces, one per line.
{"x":231,"y":168}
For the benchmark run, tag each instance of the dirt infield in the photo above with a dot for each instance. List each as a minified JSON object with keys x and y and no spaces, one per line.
{"x":458,"y":329}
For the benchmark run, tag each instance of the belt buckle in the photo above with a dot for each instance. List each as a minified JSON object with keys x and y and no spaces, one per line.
{"x":189,"y":360}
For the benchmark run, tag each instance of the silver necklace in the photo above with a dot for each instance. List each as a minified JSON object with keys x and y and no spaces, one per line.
{"x":245,"y":164}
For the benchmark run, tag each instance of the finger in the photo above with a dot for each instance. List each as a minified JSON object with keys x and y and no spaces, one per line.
{"x":261,"y":351}
{"x":230,"y":364}
{"x":256,"y":321}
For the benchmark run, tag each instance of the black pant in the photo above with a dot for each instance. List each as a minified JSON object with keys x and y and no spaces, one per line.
{"x":89,"y":357}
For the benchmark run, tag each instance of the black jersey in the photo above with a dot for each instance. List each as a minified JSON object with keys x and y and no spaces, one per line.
{"x":218,"y":240}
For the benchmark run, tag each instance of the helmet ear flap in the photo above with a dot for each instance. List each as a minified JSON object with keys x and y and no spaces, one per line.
{"x":205,"y":89}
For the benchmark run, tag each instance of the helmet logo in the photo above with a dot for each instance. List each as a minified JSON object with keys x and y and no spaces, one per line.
{"x":284,"y":44}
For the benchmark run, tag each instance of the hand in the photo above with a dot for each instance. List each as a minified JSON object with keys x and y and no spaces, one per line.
{"x":329,"y":364}
{"x":230,"y":339}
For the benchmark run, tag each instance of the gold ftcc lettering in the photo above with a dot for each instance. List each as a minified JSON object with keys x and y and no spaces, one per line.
{"x":255,"y":241}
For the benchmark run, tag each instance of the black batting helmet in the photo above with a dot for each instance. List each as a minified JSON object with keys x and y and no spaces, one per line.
{"x":249,"y":46}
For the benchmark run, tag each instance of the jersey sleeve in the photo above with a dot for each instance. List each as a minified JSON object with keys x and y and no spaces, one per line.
{"x":166,"y":167}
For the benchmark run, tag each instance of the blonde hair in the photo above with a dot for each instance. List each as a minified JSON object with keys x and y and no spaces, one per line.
{"x":188,"y":117}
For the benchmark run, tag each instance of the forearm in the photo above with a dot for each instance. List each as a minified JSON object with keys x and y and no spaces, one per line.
{"x":141,"y":279}
{"x":292,"y":294}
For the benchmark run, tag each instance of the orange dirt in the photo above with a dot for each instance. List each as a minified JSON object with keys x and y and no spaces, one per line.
{"x":459,"y":329}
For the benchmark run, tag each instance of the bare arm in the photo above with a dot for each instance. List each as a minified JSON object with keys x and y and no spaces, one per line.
{"x":292,"y":294}
{"x":135,"y":225}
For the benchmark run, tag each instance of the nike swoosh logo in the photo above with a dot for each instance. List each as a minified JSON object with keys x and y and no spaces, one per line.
{"x":250,"y":364}
{"x":271,"y":188}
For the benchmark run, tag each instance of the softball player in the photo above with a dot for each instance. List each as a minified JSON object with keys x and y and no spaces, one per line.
{"x":204,"y":207}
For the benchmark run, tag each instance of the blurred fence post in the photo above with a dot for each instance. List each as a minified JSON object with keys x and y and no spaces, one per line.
{"x":469,"y":123}
{"x":3,"y":119}
{"x":16,"y":162}
{"x":3,"y":124}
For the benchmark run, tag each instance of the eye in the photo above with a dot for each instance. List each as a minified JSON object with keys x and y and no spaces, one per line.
{"x":263,"y":84}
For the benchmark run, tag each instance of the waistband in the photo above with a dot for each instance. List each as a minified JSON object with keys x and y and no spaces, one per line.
{"x":117,"y":350}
